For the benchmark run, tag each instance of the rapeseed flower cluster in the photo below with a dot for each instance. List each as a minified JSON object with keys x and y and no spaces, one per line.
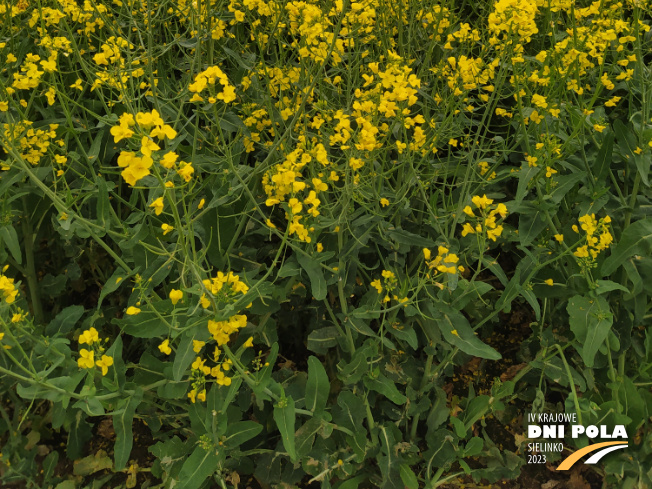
{"x":598,"y":237}
{"x":484,"y":223}
{"x":32,"y":144}
{"x":142,"y":132}
{"x":86,"y":358}
{"x":286,"y":183}
{"x":513,"y":17}
{"x":389,"y":284}
{"x":8,"y":289}
{"x":443,"y":262}
{"x":223,"y":288}
{"x":207,"y":79}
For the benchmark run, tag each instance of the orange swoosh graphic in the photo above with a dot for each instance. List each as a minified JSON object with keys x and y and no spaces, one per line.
{"x":574,"y":457}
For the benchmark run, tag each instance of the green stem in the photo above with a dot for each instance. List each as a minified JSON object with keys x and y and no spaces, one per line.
{"x":572,"y":384}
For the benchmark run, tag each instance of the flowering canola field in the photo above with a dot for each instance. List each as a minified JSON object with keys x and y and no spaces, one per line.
{"x":352,"y":244}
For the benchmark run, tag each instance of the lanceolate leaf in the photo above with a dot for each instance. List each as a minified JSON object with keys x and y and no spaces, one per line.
{"x":122,"y":424}
{"x":603,"y":160}
{"x":315,"y":274}
{"x":317,"y":387}
{"x":200,"y":465}
{"x":9,"y":237}
{"x":386,"y":387}
{"x":183,"y":358}
{"x":242,"y":431}
{"x":284,"y":416}
{"x":457,"y":331}
{"x":590,"y":322}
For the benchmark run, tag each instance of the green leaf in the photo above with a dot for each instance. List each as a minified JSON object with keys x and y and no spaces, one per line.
{"x":460,"y":428}
{"x":197,"y":468}
{"x":65,"y":320}
{"x":525,"y":176}
{"x":9,"y":237}
{"x":290,"y":268}
{"x":351,"y":483}
{"x":359,"y":325}
{"x":458,"y":332}
{"x":388,"y":462}
{"x":147,"y":324}
{"x":385,"y":387}
{"x":352,"y":409}
{"x":50,"y":464}
{"x":322,"y":339}
{"x":91,"y":406}
{"x":122,"y":424}
{"x":305,"y":436}
{"x":512,"y":290}
{"x":113,"y":283}
{"x":530,"y":225}
{"x":408,"y":477}
{"x":473,"y":447}
{"x":603,"y":160}
{"x":405,"y":332}
{"x":478,"y":407}
{"x":352,"y":372}
{"x":405,"y":237}
{"x":315,"y":274}
{"x":317,"y":387}
{"x":242,"y":431}
{"x":635,"y":240}
{"x":78,"y":434}
{"x":284,"y":416}
{"x":564,"y":184}
{"x":590,"y":322}
{"x":627,"y":144}
{"x":69,"y":484}
{"x":91,"y":464}
{"x":604,"y":286}
{"x":183,"y":358}
{"x":95,"y":148}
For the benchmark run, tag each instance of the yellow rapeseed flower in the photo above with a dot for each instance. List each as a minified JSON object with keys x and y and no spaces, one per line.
{"x":89,"y":337}
{"x":175,"y":296}
{"x":165,"y":347}
{"x":157,"y":205}
{"x":86,"y":358}
{"x":104,"y":363}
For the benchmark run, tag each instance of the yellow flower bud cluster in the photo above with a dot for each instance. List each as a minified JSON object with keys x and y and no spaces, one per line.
{"x":598,"y":236}
{"x":486,"y":221}
{"x":86,"y":358}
